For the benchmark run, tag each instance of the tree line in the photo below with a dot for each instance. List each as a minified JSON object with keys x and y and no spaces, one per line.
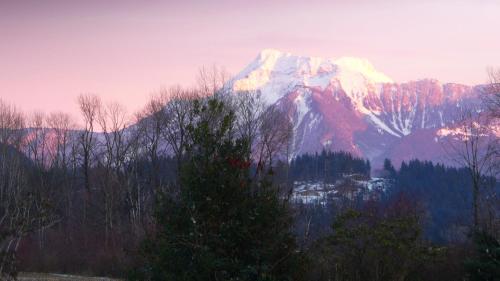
{"x":327,"y":166}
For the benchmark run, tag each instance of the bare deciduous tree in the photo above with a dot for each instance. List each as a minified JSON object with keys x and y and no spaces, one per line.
{"x":36,"y":139}
{"x":150,"y":123}
{"x":177,"y":116}
{"x":63,"y":128}
{"x":275,"y":133}
{"x":475,"y":146}
{"x":113,"y":121}
{"x":64,"y":152}
{"x":89,"y":108}
{"x":211,"y":81}
{"x":250,"y":109}
{"x":491,"y":96}
{"x":23,"y":208}
{"x":11,"y":125}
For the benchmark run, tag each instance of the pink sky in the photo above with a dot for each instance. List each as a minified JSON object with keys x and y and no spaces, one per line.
{"x":52,"y":50}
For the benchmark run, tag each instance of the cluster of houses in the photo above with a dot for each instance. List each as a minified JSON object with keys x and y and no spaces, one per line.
{"x":349,"y":187}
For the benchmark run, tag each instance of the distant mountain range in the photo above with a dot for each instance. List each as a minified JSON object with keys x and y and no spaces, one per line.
{"x":346,"y":104}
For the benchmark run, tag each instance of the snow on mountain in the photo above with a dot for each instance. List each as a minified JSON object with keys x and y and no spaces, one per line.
{"x":274,"y":73}
{"x":346,"y":104}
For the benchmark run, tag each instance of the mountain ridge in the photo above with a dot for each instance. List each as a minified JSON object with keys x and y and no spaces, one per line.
{"x":346,"y":104}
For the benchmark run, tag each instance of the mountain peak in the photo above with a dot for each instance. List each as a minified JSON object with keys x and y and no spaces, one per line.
{"x":274,"y":72}
{"x":265,"y":53}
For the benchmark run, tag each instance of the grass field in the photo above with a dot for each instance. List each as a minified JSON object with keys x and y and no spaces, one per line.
{"x":59,"y":277}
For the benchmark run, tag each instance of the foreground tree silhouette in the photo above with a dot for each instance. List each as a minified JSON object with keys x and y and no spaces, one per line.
{"x":221,"y":225}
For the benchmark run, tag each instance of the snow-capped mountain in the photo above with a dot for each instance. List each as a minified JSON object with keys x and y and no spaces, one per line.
{"x":346,"y":104}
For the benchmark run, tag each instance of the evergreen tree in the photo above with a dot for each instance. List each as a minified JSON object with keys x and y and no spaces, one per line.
{"x":486,"y":265}
{"x":390,"y":171}
{"x":372,"y":245}
{"x":222,"y":225}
